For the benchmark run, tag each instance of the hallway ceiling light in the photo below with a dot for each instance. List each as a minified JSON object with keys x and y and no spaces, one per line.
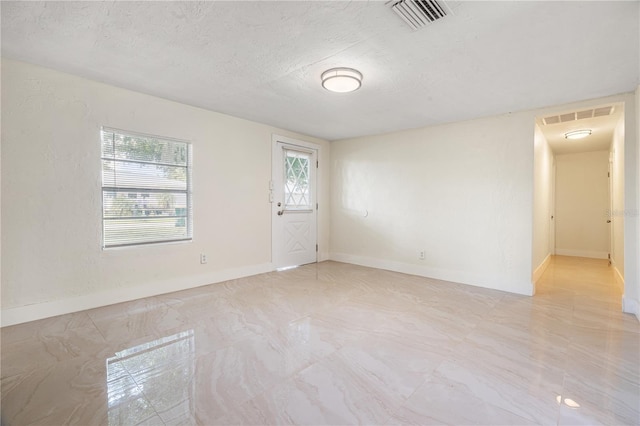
{"x":341,"y":80}
{"x":577,"y":134}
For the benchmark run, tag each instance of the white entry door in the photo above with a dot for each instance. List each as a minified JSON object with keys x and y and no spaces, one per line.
{"x":293,"y":207}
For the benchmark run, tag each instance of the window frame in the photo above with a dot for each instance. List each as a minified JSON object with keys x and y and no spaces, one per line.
{"x":307,"y":156}
{"x":109,"y":188}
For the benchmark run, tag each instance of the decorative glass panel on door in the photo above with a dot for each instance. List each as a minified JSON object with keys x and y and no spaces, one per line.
{"x":297,"y":194}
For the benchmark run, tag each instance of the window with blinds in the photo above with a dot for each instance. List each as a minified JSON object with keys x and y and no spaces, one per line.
{"x":146,"y":189}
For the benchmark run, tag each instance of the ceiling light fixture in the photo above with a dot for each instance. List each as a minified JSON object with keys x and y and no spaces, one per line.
{"x":577,"y":134}
{"x":341,"y":80}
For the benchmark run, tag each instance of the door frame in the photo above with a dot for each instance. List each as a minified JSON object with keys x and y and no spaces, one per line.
{"x":303,"y":145}
{"x":552,"y":208}
{"x":610,"y":212}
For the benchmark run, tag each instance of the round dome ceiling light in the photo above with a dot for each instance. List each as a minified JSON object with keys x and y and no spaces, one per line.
{"x":577,"y":134}
{"x":341,"y":80}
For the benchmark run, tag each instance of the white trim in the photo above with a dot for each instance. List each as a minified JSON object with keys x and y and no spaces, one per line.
{"x":95,"y":300}
{"x":291,"y":141}
{"x":552,"y":206}
{"x":631,"y":306}
{"x":541,"y":268}
{"x":582,"y":253}
{"x":617,"y":276}
{"x":314,"y":149}
{"x":469,"y":278}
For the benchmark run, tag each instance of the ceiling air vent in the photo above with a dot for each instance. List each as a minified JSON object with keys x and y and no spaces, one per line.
{"x":418,"y":13}
{"x":599,"y":112}
{"x":578,"y":115}
{"x":568,"y":117}
{"x":584,"y":114}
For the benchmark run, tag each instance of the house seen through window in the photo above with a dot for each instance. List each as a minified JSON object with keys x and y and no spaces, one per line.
{"x":146,"y":189}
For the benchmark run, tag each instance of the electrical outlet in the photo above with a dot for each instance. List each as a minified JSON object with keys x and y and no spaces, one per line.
{"x":421,"y":255}
{"x":203,"y":258}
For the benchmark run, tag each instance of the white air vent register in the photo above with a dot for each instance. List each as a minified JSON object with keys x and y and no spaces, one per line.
{"x":418,"y":13}
{"x":578,"y":115}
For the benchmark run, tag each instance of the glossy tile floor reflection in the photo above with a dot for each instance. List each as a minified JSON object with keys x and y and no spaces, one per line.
{"x":335,"y":344}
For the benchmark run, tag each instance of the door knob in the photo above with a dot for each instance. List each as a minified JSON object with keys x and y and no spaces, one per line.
{"x":280,"y":212}
{"x":609,"y":221}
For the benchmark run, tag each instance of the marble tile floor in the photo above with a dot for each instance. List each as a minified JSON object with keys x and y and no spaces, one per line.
{"x":333,"y":343}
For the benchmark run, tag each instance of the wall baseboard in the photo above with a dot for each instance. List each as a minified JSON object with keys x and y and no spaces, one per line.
{"x":617,"y":276}
{"x":537,"y":273}
{"x":631,"y":306}
{"x":469,"y":278}
{"x":54,"y":308}
{"x":583,"y":253}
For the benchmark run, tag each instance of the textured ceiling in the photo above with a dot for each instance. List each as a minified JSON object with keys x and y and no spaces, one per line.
{"x":262,"y":60}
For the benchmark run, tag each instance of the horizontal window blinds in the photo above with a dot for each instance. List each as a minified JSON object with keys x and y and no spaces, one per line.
{"x":146,"y":189}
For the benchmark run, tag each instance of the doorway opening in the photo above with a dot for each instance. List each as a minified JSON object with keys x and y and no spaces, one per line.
{"x":579,"y":187}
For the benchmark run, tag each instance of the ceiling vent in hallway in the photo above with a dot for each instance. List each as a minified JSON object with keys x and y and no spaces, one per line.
{"x":418,"y":13}
{"x":578,"y":115}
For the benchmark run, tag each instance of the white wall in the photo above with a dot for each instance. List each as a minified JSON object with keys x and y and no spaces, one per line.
{"x":51,"y":189}
{"x":0,"y":189}
{"x":617,"y":199}
{"x":631,"y":298}
{"x":542,"y":203}
{"x":582,"y":203}
{"x":461,"y":192}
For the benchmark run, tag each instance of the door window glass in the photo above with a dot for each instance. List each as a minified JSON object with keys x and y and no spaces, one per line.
{"x":297,"y":195}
